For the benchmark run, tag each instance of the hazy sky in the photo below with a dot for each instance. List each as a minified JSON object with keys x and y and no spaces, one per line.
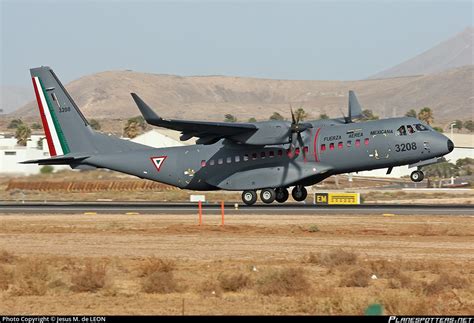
{"x":271,"y":39}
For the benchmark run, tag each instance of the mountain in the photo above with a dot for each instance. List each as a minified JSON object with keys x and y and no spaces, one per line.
{"x":455,"y":52}
{"x":106,"y":95}
{"x":14,"y":97}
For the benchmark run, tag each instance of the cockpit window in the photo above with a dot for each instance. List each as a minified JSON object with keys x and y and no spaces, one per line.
{"x":421,"y":127}
{"x":401,"y":131}
{"x":410,"y":129}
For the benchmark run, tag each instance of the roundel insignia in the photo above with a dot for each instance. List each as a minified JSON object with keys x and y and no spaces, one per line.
{"x":158,"y":161}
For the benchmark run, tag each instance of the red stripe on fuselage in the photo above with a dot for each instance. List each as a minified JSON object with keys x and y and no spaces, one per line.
{"x":49,"y":139}
{"x":316,"y":145}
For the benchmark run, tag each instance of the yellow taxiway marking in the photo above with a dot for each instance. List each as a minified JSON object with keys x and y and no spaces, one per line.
{"x":388,"y":214}
{"x":90,"y":213}
{"x":132,"y":213}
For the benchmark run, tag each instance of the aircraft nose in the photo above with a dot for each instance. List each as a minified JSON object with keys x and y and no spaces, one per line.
{"x":450,"y":145}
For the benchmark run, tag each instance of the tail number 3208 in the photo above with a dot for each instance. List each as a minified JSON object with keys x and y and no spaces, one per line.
{"x":405,"y":147}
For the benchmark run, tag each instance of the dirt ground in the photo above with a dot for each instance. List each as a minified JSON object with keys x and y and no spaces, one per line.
{"x":255,"y":264}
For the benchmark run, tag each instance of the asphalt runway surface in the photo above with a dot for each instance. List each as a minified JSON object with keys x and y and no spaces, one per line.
{"x":230,"y":208}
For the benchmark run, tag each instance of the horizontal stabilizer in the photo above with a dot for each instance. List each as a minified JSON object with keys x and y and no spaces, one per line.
{"x":55,"y":161}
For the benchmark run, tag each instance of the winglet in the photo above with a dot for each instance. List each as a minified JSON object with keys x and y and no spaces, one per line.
{"x":150,"y":116}
{"x":355,"y":110}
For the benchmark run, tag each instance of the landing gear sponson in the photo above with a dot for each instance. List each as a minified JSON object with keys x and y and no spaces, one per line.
{"x":280,"y":194}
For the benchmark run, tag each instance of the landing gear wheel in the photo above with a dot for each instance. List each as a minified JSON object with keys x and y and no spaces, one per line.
{"x":299,"y":193}
{"x":249,"y":197}
{"x":281,"y":195}
{"x":268,"y":195}
{"x":417,"y":176}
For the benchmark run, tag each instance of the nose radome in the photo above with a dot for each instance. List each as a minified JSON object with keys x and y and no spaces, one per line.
{"x":450,"y":145}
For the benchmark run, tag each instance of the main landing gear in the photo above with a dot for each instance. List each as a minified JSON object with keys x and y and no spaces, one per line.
{"x":417,"y":176}
{"x":280,"y":194}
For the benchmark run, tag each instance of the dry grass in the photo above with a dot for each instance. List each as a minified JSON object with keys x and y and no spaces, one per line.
{"x":159,"y":282}
{"x":91,"y":278}
{"x":358,"y":278}
{"x":31,"y":278}
{"x":210,"y":287}
{"x":154,"y":264}
{"x":333,"y":258}
{"x":233,"y":282}
{"x":284,"y":282}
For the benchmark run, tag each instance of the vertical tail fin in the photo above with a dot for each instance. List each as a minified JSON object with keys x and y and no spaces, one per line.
{"x":66,"y":129}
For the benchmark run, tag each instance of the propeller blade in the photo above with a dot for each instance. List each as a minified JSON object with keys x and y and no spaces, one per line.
{"x":293,"y":120}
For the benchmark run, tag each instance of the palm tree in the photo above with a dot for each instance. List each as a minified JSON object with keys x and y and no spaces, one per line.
{"x":426,"y":115}
{"x":301,"y":114}
{"x":230,"y":118}
{"x":411,"y":113}
{"x":23,"y":132}
{"x":94,"y":124}
{"x":323,"y":116}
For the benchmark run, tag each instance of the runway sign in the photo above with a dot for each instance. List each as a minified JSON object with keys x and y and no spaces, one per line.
{"x":336,"y":198}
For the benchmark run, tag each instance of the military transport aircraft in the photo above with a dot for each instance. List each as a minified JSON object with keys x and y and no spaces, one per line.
{"x":269,"y":156}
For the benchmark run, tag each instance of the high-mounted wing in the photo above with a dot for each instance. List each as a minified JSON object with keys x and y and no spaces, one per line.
{"x":264,"y":133}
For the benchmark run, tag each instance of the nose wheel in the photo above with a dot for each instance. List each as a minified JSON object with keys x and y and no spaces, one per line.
{"x":249,"y":197}
{"x":299,"y":193}
{"x":417,"y":176}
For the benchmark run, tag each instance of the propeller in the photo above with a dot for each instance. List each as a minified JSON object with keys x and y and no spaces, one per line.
{"x":296,"y":129}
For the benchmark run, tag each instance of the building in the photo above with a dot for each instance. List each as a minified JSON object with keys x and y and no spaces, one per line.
{"x":11,"y":154}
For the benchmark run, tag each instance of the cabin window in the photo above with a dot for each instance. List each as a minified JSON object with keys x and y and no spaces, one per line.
{"x":237,"y":159}
{"x":254,"y":156}
{"x":246,"y":157}
{"x":357,"y":143}
{"x":203,"y":163}
{"x":271,"y":154}
{"x":212,"y":162}
{"x":220,"y":161}
{"x":331,"y":146}
{"x":420,"y":127}
{"x":401,"y":131}
{"x":366,"y":141}
{"x":229,"y":160}
{"x":10,"y":153}
{"x":297,"y":152}
{"x":323,"y":147}
{"x":262,"y":154}
{"x":410,"y":130}
{"x":349,"y":143}
{"x":305,"y":149}
{"x":340,"y":145}
{"x":280,"y":152}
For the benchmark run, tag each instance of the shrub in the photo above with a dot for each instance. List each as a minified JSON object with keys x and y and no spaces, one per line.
{"x":210,"y":288}
{"x":153,"y":264}
{"x":5,"y":278}
{"x":159,"y":282}
{"x":313,"y":228}
{"x":445,"y":281}
{"x":46,"y":169}
{"x":89,"y":279}
{"x":287,"y":281}
{"x":233,"y":282}
{"x":358,"y":278}
{"x":6,"y":257}
{"x":31,"y":278}
{"x":333,"y":258}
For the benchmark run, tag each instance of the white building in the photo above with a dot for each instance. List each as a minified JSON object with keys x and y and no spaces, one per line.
{"x":11,"y":154}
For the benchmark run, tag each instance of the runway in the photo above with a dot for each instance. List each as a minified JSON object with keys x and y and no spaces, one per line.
{"x":190,"y":208}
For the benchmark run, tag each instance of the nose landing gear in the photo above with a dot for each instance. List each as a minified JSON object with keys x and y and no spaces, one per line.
{"x":417,"y":176}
